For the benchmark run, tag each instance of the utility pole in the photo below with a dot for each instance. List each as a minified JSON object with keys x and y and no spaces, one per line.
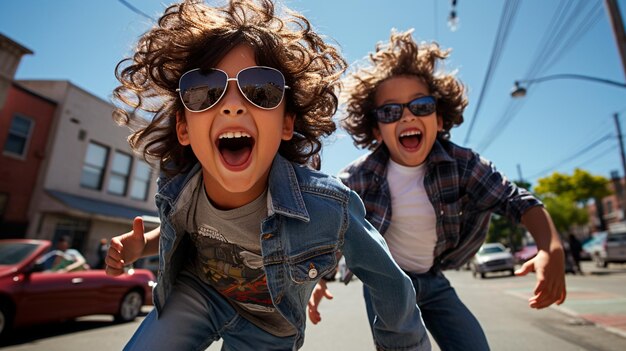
{"x":617,"y":23}
{"x":621,"y":150}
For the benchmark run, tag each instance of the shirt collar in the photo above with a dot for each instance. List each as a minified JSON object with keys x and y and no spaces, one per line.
{"x":376,"y":162}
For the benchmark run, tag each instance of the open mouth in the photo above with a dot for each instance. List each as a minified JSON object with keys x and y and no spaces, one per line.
{"x":235,"y":147}
{"x":411,"y":139}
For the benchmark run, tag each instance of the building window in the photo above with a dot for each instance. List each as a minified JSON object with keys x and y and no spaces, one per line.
{"x":94,"y":166}
{"x":141,"y":182}
{"x":19,"y":135}
{"x":609,"y":207}
{"x":120,"y":171}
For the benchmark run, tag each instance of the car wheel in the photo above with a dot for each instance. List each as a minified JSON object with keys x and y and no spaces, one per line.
{"x":512,"y":272}
{"x":130,"y":307}
{"x":5,"y":320}
{"x":482,"y":275}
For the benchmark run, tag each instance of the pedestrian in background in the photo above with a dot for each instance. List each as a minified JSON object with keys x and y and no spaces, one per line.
{"x":430,"y":198}
{"x":240,"y":96}
{"x":103,"y":248}
{"x":575,"y":249}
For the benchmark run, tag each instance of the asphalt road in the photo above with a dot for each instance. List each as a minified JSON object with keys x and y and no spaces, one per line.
{"x":499,"y":302}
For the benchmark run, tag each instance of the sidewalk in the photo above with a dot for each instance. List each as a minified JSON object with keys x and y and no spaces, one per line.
{"x":585,"y":303}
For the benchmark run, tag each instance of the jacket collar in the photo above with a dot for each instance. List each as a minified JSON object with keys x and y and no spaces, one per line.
{"x":284,"y":191}
{"x":284,"y":196}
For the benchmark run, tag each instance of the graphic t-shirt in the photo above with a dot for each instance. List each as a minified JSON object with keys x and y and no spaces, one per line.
{"x":228,"y":257}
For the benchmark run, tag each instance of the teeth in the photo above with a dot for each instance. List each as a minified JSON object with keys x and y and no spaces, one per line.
{"x":230,"y":135}
{"x":409,"y":133}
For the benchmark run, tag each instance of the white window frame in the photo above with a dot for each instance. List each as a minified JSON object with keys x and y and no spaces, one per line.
{"x":27,"y":137}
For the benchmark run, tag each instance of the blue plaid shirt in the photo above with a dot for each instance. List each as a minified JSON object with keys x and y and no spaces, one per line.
{"x":464,"y":189}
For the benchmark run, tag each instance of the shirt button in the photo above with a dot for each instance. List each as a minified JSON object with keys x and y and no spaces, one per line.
{"x":461,"y":213}
{"x":441,"y":213}
{"x":312,"y":271}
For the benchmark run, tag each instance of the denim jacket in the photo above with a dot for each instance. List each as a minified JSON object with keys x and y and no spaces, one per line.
{"x":311,"y":217}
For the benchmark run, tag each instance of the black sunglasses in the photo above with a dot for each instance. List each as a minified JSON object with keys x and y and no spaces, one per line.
{"x":420,"y":107}
{"x":201,"y":89}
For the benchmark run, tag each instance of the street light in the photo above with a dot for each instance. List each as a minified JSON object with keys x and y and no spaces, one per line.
{"x":520,"y":91}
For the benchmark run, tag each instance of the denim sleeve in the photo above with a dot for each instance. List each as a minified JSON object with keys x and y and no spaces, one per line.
{"x":398,"y":324}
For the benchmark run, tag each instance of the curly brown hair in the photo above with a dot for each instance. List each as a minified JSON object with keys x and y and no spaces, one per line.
{"x":400,"y":57}
{"x":192,"y":35}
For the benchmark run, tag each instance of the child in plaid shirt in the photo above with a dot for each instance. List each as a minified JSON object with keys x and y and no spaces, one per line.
{"x":442,"y":195}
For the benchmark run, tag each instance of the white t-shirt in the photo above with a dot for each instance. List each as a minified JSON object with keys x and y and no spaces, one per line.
{"x":412,"y":234}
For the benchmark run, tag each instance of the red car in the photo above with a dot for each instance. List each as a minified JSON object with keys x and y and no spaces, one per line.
{"x":30,"y":295}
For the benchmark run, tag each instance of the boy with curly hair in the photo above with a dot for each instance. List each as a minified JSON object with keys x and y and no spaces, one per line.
{"x":238,"y":98}
{"x":430,"y":198}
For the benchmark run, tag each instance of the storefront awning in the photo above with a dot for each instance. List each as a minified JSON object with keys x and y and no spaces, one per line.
{"x":98,"y":207}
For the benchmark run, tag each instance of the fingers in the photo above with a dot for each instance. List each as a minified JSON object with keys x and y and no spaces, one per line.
{"x":328,"y":295}
{"x":314,"y":315}
{"x":547,"y":292}
{"x":526,"y":268}
{"x":138,"y":229}
{"x":114,"y":261}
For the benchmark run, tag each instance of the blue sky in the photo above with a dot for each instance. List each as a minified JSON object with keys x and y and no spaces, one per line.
{"x":560,"y":125}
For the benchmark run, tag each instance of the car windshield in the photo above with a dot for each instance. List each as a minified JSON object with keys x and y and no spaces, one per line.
{"x":490,"y":249}
{"x":12,"y":253}
{"x":617,"y":237}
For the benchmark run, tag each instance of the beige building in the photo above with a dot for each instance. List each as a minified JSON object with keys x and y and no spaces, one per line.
{"x":91,"y":185}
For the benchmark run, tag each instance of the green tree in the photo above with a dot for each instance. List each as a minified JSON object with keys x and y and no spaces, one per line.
{"x":566,"y":195}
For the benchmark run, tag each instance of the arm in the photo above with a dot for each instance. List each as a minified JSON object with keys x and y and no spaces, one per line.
{"x":398,"y":323}
{"x":79,"y":261}
{"x":318,"y":293}
{"x":127,"y":248}
{"x":549,"y":263}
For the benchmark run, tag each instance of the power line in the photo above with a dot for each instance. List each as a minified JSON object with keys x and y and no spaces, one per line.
{"x":506,"y":21}
{"x":567,"y":26}
{"x":581,"y":27}
{"x":136,"y":10}
{"x":582,"y":151}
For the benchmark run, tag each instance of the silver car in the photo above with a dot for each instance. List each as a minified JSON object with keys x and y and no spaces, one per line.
{"x":492,"y":257}
{"x":612,"y":249}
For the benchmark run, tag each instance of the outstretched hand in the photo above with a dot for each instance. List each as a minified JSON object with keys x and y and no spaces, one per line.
{"x":549,"y":269}
{"x":125,"y":249}
{"x":318,"y":293}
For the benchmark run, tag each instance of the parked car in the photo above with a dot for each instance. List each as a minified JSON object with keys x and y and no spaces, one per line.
{"x":492,"y":257}
{"x":608,"y":247}
{"x":30,"y":295}
{"x":150,"y":263}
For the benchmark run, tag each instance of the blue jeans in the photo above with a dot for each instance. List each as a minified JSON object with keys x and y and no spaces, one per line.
{"x":195,"y":316}
{"x":447,"y":319}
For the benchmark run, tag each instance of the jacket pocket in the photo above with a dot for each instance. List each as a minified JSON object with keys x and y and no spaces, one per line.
{"x":313,"y":264}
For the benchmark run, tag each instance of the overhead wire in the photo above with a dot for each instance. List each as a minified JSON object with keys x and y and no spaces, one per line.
{"x":580,"y":152}
{"x":136,"y":10}
{"x":506,"y":20}
{"x":567,"y":26}
{"x":591,"y":18}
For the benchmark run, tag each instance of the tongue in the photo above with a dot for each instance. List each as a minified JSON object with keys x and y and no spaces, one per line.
{"x":410,"y":142}
{"x":236,"y":157}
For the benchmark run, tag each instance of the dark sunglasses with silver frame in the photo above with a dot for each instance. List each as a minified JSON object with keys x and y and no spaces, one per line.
{"x":201,"y":89}
{"x":419,"y":107}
